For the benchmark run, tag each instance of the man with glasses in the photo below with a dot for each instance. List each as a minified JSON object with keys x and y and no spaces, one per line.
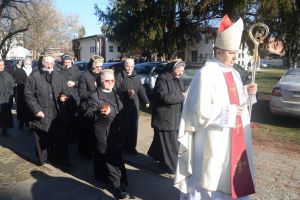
{"x":103,"y":109}
{"x":45,"y":93}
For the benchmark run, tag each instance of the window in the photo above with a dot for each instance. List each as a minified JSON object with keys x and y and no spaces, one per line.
{"x":111,"y":48}
{"x":92,"y":49}
{"x":194,"y":56}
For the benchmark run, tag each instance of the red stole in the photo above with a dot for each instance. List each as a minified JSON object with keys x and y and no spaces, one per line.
{"x":241,"y":183}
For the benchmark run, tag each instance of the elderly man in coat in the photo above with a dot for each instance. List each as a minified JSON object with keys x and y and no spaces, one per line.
{"x":215,"y":158}
{"x":45,"y":93}
{"x":6,"y":93}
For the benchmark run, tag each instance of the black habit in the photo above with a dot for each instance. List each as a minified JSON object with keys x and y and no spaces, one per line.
{"x":72,"y":105}
{"x":167,"y":106}
{"x":131,"y":108}
{"x":6,"y":99}
{"x":23,"y":112}
{"x":86,"y":87}
{"x":108,"y":164}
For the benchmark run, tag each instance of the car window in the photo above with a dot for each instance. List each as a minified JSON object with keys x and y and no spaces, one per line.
{"x":291,"y":76}
{"x":189,"y":72}
{"x":159,"y":68}
{"x":143,"y":69}
{"x":82,"y":66}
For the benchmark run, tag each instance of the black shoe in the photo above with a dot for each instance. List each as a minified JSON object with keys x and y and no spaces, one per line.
{"x":119,"y":193}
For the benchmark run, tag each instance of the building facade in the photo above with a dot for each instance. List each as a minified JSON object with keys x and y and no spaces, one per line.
{"x":18,"y":52}
{"x":84,"y":48}
{"x":200,"y":51}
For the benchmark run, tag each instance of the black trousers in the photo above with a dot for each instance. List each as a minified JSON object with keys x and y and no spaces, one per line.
{"x":52,"y":147}
{"x":110,"y":167}
{"x":86,"y":138}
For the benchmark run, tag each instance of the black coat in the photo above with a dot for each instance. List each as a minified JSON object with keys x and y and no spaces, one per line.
{"x":20,"y":77}
{"x":125,"y":82}
{"x":72,"y":74}
{"x":6,"y":92}
{"x":40,"y":95}
{"x":106,"y":126}
{"x":86,"y":87}
{"x":168,"y":102}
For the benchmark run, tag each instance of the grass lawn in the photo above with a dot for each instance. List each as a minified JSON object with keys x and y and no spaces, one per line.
{"x":264,"y":123}
{"x":266,"y":78}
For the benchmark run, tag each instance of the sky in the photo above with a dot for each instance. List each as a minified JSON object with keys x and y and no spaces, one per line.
{"x":85,"y":10}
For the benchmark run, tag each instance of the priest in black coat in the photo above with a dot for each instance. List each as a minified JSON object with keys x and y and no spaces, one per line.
{"x":45,"y":94}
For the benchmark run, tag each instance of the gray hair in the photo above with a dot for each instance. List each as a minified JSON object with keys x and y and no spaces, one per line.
{"x":105,"y":72}
{"x":26,"y":59}
{"x":129,"y":61}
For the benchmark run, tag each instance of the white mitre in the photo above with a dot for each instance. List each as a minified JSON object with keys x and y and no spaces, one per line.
{"x":229,"y":35}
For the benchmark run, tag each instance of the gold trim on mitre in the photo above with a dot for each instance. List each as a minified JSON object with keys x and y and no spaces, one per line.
{"x":230,"y":38}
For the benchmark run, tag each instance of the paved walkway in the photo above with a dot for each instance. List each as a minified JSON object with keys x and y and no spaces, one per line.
{"x":21,"y":178}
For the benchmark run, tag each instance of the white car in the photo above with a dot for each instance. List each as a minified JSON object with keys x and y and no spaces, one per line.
{"x":285,"y":99}
{"x":148,"y":72}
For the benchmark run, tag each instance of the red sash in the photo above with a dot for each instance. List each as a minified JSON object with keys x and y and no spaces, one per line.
{"x":241,"y":183}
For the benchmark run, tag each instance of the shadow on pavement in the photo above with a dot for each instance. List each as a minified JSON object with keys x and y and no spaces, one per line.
{"x":65,"y":188}
{"x":143,"y":174}
{"x":46,"y":187}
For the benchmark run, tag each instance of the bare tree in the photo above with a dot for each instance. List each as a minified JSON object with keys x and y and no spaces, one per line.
{"x":49,"y":29}
{"x":13,"y":21}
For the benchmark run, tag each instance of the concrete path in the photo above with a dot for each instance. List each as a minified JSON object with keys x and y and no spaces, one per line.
{"x":22,"y":179}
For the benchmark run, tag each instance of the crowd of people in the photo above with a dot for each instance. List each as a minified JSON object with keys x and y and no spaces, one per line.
{"x":201,"y":133}
{"x":97,"y":108}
